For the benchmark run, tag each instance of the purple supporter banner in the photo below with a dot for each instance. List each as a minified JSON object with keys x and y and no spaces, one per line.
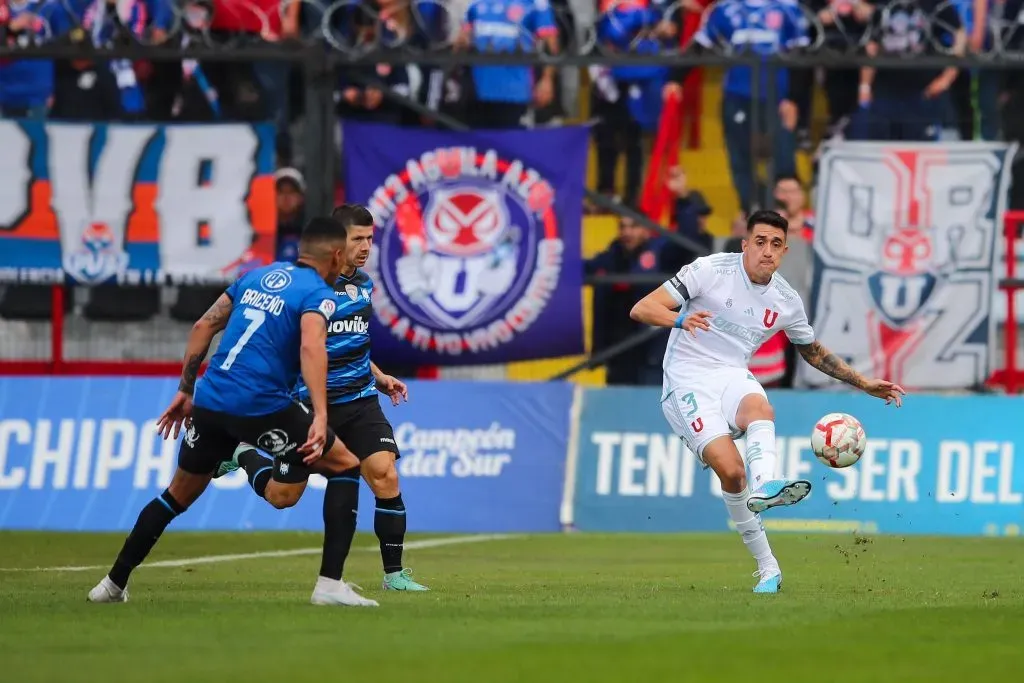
{"x":477,"y":251}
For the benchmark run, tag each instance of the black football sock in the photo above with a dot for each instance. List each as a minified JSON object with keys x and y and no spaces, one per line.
{"x":152,"y":521}
{"x":258,"y":467}
{"x":389,"y":525}
{"x":341,"y":504}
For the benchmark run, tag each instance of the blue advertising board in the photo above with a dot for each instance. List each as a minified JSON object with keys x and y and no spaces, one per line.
{"x":938,"y":465}
{"x":83,"y":454}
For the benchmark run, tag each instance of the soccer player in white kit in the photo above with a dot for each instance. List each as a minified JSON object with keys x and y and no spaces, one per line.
{"x":722,"y":308}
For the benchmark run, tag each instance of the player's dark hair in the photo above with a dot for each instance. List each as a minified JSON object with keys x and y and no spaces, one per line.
{"x":772,"y":219}
{"x":352,"y":214}
{"x":319,"y":230}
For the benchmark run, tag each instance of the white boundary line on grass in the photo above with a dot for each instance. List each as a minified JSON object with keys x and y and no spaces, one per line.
{"x":214,"y":559}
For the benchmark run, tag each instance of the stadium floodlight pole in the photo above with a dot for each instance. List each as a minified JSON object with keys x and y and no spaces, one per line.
{"x":600,"y":358}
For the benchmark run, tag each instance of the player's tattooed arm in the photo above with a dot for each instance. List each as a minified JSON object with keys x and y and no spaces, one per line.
{"x":829,"y":363}
{"x":206,"y":328}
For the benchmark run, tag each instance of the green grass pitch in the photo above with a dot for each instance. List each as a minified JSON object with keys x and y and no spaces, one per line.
{"x":531,"y":609}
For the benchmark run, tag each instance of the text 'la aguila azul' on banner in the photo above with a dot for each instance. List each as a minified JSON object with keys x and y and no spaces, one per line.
{"x":134,"y":204}
{"x":477,"y":255}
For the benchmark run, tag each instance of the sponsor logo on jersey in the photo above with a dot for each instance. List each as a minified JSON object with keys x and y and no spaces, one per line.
{"x":454,"y":452}
{"x":354,"y":325}
{"x":470,"y":250}
{"x":749,"y":334}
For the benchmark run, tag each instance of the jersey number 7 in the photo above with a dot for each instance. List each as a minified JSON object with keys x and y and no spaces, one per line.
{"x":256,"y":318}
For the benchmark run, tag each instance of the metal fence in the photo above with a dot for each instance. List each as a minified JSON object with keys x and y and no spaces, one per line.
{"x":330,"y":37}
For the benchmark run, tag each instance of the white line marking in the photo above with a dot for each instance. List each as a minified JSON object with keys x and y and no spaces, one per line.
{"x":214,"y":559}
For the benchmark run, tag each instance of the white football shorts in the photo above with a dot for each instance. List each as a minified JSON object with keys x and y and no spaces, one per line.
{"x":704,"y":408}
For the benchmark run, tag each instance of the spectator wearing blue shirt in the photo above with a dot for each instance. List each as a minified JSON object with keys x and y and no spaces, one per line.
{"x":625,"y":100}
{"x":503,"y":94}
{"x":26,"y":85}
{"x":765,"y":28}
{"x":908,"y":104}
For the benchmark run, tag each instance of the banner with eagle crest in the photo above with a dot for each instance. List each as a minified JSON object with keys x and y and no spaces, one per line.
{"x":476,"y":254}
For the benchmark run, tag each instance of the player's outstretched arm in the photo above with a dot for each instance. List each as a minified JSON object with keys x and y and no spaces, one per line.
{"x":660,"y":309}
{"x":199,"y":339}
{"x":205,"y":329}
{"x":657,"y":308}
{"x":819,"y":357}
{"x":392,"y":386}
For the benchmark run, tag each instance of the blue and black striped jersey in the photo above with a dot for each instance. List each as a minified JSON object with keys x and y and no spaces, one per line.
{"x":348,"y":342}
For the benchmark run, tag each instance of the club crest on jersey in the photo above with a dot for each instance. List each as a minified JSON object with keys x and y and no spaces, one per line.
{"x":276,"y":280}
{"x":352,"y":291}
{"x":470,"y":251}
{"x":770,"y":317}
{"x":906,"y":280}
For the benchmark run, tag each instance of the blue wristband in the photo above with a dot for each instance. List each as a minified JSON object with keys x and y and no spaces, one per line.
{"x":679,"y":321}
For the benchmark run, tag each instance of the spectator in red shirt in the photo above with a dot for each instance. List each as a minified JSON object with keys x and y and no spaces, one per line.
{"x":265,"y":18}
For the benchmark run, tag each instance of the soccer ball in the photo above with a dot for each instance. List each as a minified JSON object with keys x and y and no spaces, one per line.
{"x":838,"y":440}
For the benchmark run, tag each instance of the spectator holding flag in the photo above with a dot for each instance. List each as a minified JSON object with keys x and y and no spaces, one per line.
{"x":626,"y":100}
{"x":766,"y":28}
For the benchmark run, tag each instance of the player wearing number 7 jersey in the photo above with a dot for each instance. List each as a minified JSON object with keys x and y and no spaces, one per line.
{"x":275,"y":327}
{"x":722,"y":308}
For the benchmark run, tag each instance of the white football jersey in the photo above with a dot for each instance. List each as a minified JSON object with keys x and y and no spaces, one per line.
{"x":743,"y":316}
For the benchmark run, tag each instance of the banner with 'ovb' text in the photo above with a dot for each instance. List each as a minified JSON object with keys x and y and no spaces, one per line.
{"x":906,"y":259}
{"x":477,"y":254}
{"x":134,"y":204}
{"x":82,"y":454}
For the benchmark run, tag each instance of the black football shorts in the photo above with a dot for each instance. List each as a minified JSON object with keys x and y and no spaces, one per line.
{"x":361,"y":425}
{"x":214,"y":436}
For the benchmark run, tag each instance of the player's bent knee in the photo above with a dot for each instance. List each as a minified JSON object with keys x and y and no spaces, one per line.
{"x":339,"y":458}
{"x":752,"y":408}
{"x":186,"y":487}
{"x":381,"y":475}
{"x":733,"y":478}
{"x":282,"y":496}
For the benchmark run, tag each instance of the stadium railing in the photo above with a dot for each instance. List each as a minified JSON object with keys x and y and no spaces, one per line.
{"x":62,"y":344}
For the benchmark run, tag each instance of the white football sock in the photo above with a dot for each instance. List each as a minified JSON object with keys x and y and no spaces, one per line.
{"x":761,"y":455}
{"x":750,"y":527}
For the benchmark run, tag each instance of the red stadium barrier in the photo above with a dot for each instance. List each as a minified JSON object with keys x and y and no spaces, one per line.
{"x":1010,"y":377}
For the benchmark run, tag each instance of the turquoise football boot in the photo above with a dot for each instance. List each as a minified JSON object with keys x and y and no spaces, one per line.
{"x":778,"y":492}
{"x":770,"y":580}
{"x":401,"y":581}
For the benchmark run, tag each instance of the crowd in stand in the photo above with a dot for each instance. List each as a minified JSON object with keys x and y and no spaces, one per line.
{"x":624,"y":106}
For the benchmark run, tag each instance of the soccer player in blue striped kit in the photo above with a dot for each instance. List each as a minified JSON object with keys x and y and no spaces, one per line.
{"x":275,"y":321}
{"x":355,"y":415}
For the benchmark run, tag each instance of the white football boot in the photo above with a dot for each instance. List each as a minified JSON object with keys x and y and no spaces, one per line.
{"x":107,"y":591}
{"x":332,"y":592}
